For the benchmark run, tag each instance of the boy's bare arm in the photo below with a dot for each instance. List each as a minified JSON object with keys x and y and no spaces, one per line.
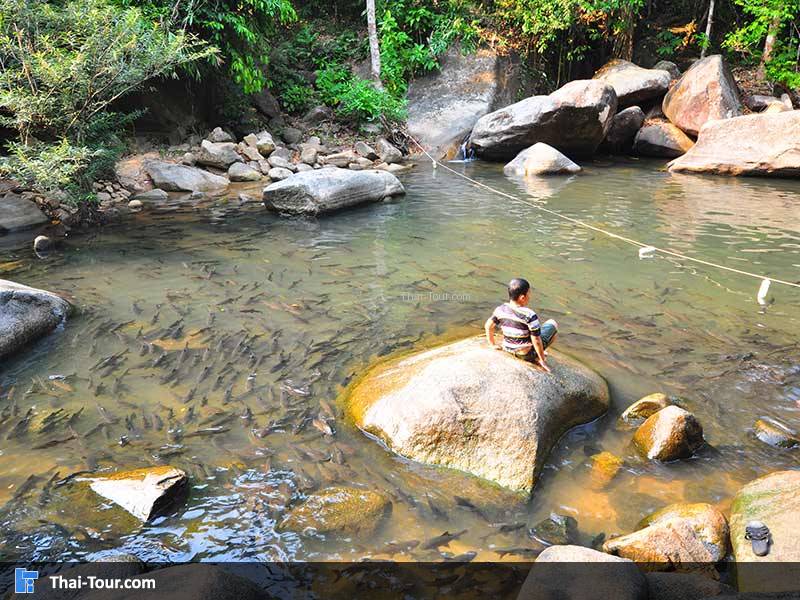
{"x":488,"y":327}
{"x":539,"y":347}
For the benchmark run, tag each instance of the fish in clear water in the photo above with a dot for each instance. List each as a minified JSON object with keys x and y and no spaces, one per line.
{"x":504,"y":528}
{"x":442,"y":540}
{"x":392,"y":548}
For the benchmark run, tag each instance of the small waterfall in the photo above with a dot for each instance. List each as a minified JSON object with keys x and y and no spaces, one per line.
{"x":465,"y":153}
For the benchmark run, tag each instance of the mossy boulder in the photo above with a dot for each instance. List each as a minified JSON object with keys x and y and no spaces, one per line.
{"x":670,"y":434}
{"x":645,"y":407}
{"x":338,"y":511}
{"x":775,"y":501}
{"x":473,"y":408}
{"x":678,"y":537}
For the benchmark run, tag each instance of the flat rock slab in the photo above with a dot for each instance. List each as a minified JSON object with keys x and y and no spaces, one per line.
{"x":172,"y":177}
{"x":765,"y":144}
{"x":469,"y":407}
{"x":26,"y":314}
{"x":775,"y":501}
{"x":145,"y":493}
{"x":17,"y":213}
{"x":327,"y":190}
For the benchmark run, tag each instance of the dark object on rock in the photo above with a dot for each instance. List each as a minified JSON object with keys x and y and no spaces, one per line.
{"x":26,"y":314}
{"x":365,"y":150}
{"x":145,"y":493}
{"x":632,"y":83}
{"x":18,"y":213}
{"x":574,"y":119}
{"x":42,"y":243}
{"x":670,"y":434}
{"x":661,"y":139}
{"x":624,"y":127}
{"x":764,"y":144}
{"x":266,"y":103}
{"x":759,"y":537}
{"x":327,"y":190}
{"x":556,"y":530}
{"x":705,"y":92}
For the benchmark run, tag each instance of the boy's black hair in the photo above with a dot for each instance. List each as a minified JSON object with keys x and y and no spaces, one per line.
{"x":518,"y":287}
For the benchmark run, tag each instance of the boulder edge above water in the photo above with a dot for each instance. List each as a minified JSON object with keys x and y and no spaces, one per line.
{"x":326,"y":190}
{"x":469,"y":407}
{"x":146,"y":492}
{"x":26,"y":314}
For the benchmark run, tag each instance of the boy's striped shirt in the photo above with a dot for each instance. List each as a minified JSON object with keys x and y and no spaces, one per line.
{"x":518,"y":324}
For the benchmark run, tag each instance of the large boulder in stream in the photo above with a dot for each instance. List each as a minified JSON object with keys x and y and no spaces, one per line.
{"x":145,"y":493}
{"x":578,"y":573}
{"x":678,"y":537}
{"x":632,"y":83}
{"x":775,"y":501}
{"x":705,"y":92}
{"x":670,"y":434}
{"x":470,"y":407}
{"x":17,"y":213}
{"x":326,"y":190}
{"x":26,"y":314}
{"x":540,"y":159}
{"x":761,"y":144}
{"x":443,"y":106}
{"x":574,"y":119}
{"x":172,"y":177}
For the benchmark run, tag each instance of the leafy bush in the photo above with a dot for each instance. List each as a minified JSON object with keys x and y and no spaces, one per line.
{"x":297,"y":97}
{"x":62,"y":66}
{"x":356,"y":98}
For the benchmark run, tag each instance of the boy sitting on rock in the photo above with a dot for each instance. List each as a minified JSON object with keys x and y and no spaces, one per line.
{"x":522,"y":335}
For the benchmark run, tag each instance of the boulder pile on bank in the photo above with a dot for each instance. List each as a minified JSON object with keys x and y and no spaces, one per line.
{"x":662,"y":114}
{"x":467,"y":406}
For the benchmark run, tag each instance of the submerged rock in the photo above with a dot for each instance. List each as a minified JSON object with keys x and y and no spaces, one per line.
{"x":341,"y":511}
{"x":145,"y":493}
{"x":624,"y":127}
{"x":26,"y":314}
{"x":705,"y":92}
{"x":632,"y":83}
{"x":327,"y":190}
{"x":172,"y":177}
{"x":444,"y":105}
{"x":605,"y":467}
{"x":556,"y":530}
{"x":761,"y":144}
{"x":775,"y":501}
{"x":684,"y":586}
{"x":775,"y":433}
{"x":670,"y":434}
{"x":17,"y":213}
{"x":578,"y":573}
{"x":574,"y":119}
{"x":540,"y":159}
{"x":645,"y":407}
{"x":470,"y":407}
{"x":661,"y":139}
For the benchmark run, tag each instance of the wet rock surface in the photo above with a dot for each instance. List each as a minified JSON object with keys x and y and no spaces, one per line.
{"x":540,"y":159}
{"x":145,"y":493}
{"x":27,"y":314}
{"x":18,"y":213}
{"x":470,"y":407}
{"x":645,"y":407}
{"x":342,"y":511}
{"x":670,"y":434}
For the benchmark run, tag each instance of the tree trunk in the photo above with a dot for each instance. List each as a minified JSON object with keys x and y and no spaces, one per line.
{"x":769,"y":44}
{"x":709,"y":24}
{"x":374,"y":47}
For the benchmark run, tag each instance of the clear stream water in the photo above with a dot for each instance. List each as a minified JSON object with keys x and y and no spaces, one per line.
{"x":227,"y":318}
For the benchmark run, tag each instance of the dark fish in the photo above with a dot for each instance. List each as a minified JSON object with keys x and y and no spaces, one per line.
{"x":527,"y":552}
{"x":54,"y":442}
{"x":392,"y":548}
{"x":503,"y":528}
{"x":442,"y":540}
{"x":464,"y":503}
{"x":436,"y":509}
{"x":208,"y":431}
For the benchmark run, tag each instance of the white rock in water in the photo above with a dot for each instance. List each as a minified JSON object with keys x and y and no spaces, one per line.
{"x":145,"y":493}
{"x":540,"y":159}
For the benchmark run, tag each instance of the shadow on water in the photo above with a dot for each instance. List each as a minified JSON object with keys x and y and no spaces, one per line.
{"x":218,"y":340}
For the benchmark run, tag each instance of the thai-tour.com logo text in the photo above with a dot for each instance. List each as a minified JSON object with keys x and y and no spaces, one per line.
{"x":24,"y":582}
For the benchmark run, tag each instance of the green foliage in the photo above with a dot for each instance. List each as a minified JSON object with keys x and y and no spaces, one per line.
{"x":356,"y":98}
{"x":780,"y":16}
{"x":62,"y":66}
{"x":297,"y":97}
{"x":240,"y":29}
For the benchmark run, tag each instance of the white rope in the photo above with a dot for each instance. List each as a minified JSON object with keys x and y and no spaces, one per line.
{"x":649,"y":249}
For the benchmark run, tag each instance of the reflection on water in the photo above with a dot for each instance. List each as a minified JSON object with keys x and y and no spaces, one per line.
{"x":219,"y":341}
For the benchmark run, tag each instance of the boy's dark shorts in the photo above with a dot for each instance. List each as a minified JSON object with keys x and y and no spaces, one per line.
{"x":549,"y":330}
